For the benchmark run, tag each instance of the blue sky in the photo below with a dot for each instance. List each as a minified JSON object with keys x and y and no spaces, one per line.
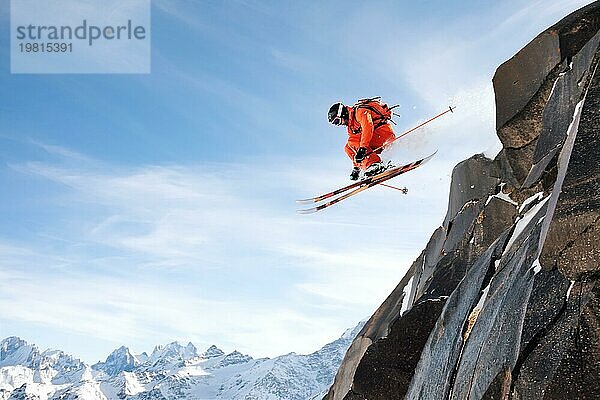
{"x":142,"y":209}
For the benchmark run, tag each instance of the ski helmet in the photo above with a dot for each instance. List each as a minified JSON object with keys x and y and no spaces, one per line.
{"x":337,"y":114}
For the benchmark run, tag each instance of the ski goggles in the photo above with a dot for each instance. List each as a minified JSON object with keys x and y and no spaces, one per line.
{"x":337,"y":119}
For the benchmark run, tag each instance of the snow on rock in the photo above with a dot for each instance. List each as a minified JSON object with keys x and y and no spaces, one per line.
{"x":171,"y":356}
{"x":529,"y":201}
{"x":502,"y":196}
{"x":118,"y":361}
{"x":523,"y":222}
{"x":14,"y":377}
{"x":406,"y":296}
{"x":537,"y":267}
{"x":36,"y":374}
{"x":212,"y":351}
{"x":570,"y":289}
{"x":14,"y":351}
{"x":85,"y":390}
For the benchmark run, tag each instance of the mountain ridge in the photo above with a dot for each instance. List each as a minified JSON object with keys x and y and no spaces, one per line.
{"x":172,"y":371}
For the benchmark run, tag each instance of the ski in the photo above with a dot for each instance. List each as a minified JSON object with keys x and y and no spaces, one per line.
{"x":366,"y":184}
{"x":365,"y":181}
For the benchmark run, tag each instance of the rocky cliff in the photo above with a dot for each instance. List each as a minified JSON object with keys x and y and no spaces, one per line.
{"x":504,"y":302}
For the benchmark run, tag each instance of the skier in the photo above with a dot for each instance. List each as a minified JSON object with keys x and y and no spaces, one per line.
{"x":368,"y":132}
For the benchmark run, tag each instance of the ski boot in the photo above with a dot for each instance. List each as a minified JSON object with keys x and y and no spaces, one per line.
{"x":355,"y":174}
{"x":374,"y":169}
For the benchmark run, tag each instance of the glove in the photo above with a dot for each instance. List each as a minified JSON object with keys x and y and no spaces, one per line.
{"x":354,"y":174}
{"x":361,"y":153}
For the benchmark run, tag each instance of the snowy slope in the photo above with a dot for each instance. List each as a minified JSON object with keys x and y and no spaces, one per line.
{"x":172,"y":371}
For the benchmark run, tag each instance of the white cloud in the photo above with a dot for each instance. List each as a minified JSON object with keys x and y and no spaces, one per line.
{"x":141,"y":313}
{"x":66,"y":154}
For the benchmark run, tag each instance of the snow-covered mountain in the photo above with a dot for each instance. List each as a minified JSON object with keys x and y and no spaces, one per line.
{"x":172,"y":371}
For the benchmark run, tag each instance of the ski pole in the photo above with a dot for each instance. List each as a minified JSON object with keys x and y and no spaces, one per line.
{"x":450,"y":109}
{"x":403,"y":190}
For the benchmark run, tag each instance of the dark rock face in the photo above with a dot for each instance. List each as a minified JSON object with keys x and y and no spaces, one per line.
{"x":472,"y":180}
{"x":447,"y":335}
{"x":565,"y":362}
{"x":518,"y":79}
{"x":375,"y":329}
{"x":377,"y":379}
{"x":574,"y":246}
{"x":504,"y":302}
{"x":537,"y":89}
{"x":490,"y":349}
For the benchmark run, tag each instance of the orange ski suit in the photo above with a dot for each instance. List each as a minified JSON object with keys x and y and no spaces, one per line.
{"x":362,"y":133}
